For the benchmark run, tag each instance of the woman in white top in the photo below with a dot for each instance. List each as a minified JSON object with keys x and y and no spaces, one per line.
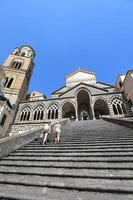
{"x":45,"y":133}
{"x":57,"y":132}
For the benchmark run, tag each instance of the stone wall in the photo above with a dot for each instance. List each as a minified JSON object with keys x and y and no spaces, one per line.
{"x":10,"y":144}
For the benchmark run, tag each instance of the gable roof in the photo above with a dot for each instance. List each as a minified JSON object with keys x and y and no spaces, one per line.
{"x":108,"y":85}
{"x":80,"y":70}
{"x":58,"y":91}
{"x":92,"y":86}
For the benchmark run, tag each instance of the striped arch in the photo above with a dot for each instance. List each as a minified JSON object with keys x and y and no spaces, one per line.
{"x":25,"y":113}
{"x":38,"y":113}
{"x":68,"y":110}
{"x":68,"y":101}
{"x":84,"y":104}
{"x":102,"y":98}
{"x":101,"y":107}
{"x":82,"y":88}
{"x":25,"y":106}
{"x":53,"y":110}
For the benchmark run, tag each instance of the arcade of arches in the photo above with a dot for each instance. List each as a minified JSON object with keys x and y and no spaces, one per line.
{"x":82,"y":109}
{"x":85,"y":111}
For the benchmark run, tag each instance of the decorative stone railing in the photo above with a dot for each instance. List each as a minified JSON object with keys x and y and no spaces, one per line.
{"x":128,"y":122}
{"x":19,"y":128}
{"x":13,"y":143}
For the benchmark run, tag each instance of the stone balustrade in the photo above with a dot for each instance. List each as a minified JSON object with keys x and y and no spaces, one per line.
{"x":13,"y":143}
{"x":128,"y":122}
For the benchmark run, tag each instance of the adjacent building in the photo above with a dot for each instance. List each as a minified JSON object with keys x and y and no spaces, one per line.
{"x":5,"y":109}
{"x":17,"y":71}
{"x":124,"y":83}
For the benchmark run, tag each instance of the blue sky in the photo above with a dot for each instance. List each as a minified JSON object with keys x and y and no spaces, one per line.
{"x":95,"y":35}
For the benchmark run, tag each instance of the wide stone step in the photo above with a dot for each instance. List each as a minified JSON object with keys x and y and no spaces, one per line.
{"x":83,"y":144}
{"x":73,"y":154}
{"x":21,"y":192}
{"x":74,"y":150}
{"x":71,"y":164}
{"x":93,"y":141}
{"x":58,"y":147}
{"x":63,"y":172}
{"x":89,"y":141}
{"x":45,"y":193}
{"x":93,"y":161}
{"x":97,"y":133}
{"x":95,"y":130}
{"x":74,"y":158}
{"x":96,"y":140}
{"x":89,"y":136}
{"x":86,"y":184}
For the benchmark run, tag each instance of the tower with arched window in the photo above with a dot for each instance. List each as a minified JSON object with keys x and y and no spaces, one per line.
{"x":18,"y":69}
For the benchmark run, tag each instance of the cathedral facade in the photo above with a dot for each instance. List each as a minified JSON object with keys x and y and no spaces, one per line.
{"x":82,"y":97}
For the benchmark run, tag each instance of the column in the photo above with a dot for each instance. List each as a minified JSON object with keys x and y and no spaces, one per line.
{"x":76,"y":112}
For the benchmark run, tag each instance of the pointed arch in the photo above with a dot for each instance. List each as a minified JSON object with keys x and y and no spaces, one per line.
{"x":68,"y":110}
{"x":52,"y":111}
{"x":25,"y":114}
{"x":118,"y":106}
{"x":38,"y":113}
{"x":84,"y":108}
{"x":101,"y":108}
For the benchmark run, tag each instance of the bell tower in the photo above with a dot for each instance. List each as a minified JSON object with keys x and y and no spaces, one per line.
{"x":18,"y":69}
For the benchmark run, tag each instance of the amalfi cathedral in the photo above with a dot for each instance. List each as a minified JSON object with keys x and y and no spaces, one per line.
{"x":83,"y":97}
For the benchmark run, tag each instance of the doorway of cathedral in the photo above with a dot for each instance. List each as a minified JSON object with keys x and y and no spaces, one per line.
{"x":68,"y":111}
{"x":84,"y":108}
{"x":101,"y":108}
{"x":84,"y":115}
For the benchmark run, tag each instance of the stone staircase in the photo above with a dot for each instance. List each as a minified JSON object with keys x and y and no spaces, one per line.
{"x":94,"y":161}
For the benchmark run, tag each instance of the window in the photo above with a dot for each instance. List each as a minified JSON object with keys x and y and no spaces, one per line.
{"x":38,"y":113}
{"x":8,"y":82}
{"x":16,"y":53}
{"x":118,"y":107}
{"x":17,"y":64}
{"x":3,"y":120}
{"x":115,"y":110}
{"x":25,"y":114}
{"x":52,"y":112}
{"x":23,"y":54}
